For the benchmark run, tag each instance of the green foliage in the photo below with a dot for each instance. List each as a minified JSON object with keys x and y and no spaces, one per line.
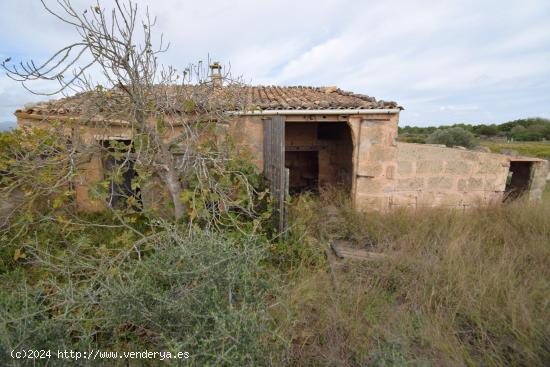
{"x":36,"y":171}
{"x":33,"y":157}
{"x":486,"y":130}
{"x":455,"y":136}
{"x":203,"y":294}
{"x":296,"y":249}
{"x":231,"y":194}
{"x":531,"y":129}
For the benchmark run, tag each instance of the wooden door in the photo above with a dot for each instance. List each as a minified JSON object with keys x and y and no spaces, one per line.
{"x":274,"y":165}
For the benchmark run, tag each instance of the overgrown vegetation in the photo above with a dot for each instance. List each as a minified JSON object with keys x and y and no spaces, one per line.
{"x":457,"y":288}
{"x":212,"y":278}
{"x":130,"y":279}
{"x":206,"y":294}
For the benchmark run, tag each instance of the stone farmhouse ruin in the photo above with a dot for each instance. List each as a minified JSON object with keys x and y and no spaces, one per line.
{"x":305,"y":138}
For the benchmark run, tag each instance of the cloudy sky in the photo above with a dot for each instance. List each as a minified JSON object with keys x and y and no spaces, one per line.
{"x":445,"y":61}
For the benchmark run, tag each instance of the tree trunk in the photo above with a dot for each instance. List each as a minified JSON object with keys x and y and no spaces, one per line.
{"x":175,"y":189}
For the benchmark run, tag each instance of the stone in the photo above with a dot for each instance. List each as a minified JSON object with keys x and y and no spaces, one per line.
{"x":440,"y":183}
{"x":382,"y":154}
{"x":370,"y":169}
{"x":401,"y":199}
{"x":470,"y":184}
{"x":410,"y":184}
{"x":469,"y":155}
{"x":368,"y":185}
{"x":457,"y":168}
{"x":390,"y":172}
{"x":404,"y":168}
{"x":493,"y":184}
{"x":429,"y":167}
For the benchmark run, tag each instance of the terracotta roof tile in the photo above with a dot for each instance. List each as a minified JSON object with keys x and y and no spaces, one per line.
{"x":251,"y":97}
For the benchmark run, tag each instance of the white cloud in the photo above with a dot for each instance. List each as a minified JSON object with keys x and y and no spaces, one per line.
{"x":435,"y":58}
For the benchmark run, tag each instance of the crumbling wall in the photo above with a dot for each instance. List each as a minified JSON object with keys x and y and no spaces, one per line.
{"x":539,"y":176}
{"x":437,"y":176}
{"x":375,"y":160}
{"x":247,"y":133}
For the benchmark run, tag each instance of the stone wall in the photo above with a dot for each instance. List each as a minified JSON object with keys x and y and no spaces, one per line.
{"x":393,"y":174}
{"x":437,"y":176}
{"x":539,"y":174}
{"x":375,"y":159}
{"x":386,"y":174}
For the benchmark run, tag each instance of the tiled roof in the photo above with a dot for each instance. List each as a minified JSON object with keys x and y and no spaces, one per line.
{"x":311,"y":98}
{"x":247,"y":97}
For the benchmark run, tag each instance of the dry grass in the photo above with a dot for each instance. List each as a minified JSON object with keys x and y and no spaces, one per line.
{"x":457,"y":289}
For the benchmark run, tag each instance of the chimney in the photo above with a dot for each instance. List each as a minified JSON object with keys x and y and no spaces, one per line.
{"x":216,"y":74}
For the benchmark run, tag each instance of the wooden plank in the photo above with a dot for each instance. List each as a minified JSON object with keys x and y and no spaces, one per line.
{"x":279,"y":122}
{"x":274,"y":164}
{"x":344,"y":250}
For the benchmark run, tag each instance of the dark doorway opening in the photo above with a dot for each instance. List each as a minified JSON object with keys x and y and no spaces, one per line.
{"x":303,"y":171}
{"x":318,"y":154}
{"x":119,"y":167}
{"x":519,"y":179}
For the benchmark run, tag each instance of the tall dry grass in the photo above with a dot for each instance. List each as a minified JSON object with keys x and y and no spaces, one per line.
{"x":457,"y":289}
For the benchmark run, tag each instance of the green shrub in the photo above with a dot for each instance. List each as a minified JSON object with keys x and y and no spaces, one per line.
{"x":454,"y":136}
{"x":487,"y":130}
{"x":204,"y":294}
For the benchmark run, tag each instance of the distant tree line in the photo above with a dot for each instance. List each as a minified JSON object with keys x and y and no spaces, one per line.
{"x":530,"y":129}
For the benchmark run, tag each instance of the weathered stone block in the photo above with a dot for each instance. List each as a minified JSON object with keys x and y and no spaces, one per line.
{"x":469,"y":184}
{"x":404,"y":168}
{"x":471,"y":156}
{"x":429,"y":167}
{"x":379,"y":153}
{"x":475,"y":183}
{"x":370,"y":169}
{"x":449,"y":199}
{"x":367,"y":185}
{"x":493,"y":183}
{"x":410,"y":184}
{"x":457,"y":168}
{"x":489,"y":167}
{"x":374,"y":134}
{"x":440,"y":183}
{"x":390,"y":172}
{"x":403,"y":199}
